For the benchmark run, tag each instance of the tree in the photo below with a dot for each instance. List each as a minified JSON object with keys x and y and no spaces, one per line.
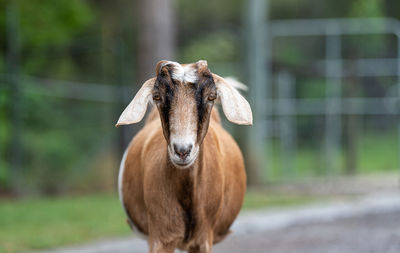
{"x":156,"y":35}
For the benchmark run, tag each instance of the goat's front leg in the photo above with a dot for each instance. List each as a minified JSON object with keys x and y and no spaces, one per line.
{"x":204,"y":245}
{"x":202,"y":248}
{"x":156,"y":246}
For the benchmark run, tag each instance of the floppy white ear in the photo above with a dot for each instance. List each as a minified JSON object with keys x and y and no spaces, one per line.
{"x":136,"y":109}
{"x":235,"y":106}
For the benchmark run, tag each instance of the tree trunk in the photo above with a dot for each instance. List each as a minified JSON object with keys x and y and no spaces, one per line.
{"x":156,"y":36}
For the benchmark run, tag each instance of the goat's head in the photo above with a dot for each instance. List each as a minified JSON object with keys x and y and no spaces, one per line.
{"x":184,"y":96}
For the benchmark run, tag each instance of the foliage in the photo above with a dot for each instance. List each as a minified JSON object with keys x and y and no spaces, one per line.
{"x":218,"y":47}
{"x":53,"y":43}
{"x":376,"y":43}
{"x":367,"y":8}
{"x":47,"y":30}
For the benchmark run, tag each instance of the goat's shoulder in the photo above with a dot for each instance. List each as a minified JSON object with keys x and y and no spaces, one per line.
{"x":153,"y":115}
{"x":219,"y":135}
{"x":219,"y":141}
{"x":149,"y":143}
{"x":215,"y":116}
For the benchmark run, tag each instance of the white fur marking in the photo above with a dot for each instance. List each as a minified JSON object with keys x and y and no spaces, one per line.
{"x":178,"y":73}
{"x":207,"y":247}
{"x":183,"y":132}
{"x":190,"y":74}
{"x":186,"y":74}
{"x":121,"y":197}
{"x":120,"y":176}
{"x":183,"y":124}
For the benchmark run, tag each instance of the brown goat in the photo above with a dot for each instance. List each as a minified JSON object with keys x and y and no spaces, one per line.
{"x":182,"y":179}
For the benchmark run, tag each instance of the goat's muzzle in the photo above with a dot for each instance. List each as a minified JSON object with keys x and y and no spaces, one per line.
{"x":183,"y":151}
{"x":182,"y":155}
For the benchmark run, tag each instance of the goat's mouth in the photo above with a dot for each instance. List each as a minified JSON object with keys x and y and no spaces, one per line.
{"x":183,"y":165}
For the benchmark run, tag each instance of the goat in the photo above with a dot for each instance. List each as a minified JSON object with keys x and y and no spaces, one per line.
{"x":182,"y":178}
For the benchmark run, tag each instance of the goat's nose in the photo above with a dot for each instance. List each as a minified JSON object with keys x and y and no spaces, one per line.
{"x":183,"y":151}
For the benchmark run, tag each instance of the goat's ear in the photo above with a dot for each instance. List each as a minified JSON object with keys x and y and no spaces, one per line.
{"x":235,"y":106}
{"x":136,"y":109}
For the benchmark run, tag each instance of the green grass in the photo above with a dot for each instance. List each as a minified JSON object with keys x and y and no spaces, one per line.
{"x":377,"y":153}
{"x":257,"y":200}
{"x":44,"y":223}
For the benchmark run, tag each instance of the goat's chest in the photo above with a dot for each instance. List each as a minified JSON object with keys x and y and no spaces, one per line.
{"x":185,"y":205}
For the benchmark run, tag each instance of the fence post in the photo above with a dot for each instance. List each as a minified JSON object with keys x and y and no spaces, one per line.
{"x":12,"y":58}
{"x":398,"y":97}
{"x":287,"y":121}
{"x":333,"y":74}
{"x":257,"y":70}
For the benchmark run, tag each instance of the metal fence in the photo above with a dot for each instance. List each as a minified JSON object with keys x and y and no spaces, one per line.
{"x":285,"y":106}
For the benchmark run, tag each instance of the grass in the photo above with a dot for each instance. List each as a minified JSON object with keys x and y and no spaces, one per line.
{"x":257,"y":200}
{"x":377,"y":153}
{"x":48,"y":222}
{"x":45,"y":223}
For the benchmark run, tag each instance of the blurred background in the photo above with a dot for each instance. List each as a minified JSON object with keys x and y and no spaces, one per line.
{"x":324,"y":86}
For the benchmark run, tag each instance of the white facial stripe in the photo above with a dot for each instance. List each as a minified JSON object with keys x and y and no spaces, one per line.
{"x":183,"y":125}
{"x":183,"y":118}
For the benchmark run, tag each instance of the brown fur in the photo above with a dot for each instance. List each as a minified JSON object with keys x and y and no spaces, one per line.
{"x":183,"y":208}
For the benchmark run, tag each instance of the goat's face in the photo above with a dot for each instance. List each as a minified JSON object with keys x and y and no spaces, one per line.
{"x":184,"y":96}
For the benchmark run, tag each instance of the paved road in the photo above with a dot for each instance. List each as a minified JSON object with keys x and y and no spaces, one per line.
{"x":369,"y":225}
{"x":377,"y":232}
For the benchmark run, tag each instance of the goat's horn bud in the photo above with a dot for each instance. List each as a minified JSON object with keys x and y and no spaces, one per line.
{"x":159,"y":65}
{"x":202,"y":63}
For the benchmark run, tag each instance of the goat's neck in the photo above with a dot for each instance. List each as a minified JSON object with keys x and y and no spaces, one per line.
{"x":184,"y":185}
{"x":189,"y":175}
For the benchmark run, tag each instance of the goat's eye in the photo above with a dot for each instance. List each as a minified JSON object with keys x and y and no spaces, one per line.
{"x":156,"y":96}
{"x":212,"y":96}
